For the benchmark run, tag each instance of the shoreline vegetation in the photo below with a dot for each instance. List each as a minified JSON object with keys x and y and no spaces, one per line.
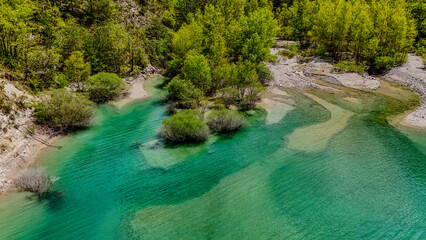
{"x":137,"y":92}
{"x":220,"y":58}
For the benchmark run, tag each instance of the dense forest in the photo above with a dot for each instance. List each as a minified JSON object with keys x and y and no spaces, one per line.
{"x":212,"y":51}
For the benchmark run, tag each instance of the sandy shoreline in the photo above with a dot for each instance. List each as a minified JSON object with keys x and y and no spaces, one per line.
{"x":136,"y":92}
{"x":27,"y":150}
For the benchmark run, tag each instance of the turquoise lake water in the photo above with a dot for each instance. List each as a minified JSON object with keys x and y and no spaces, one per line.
{"x":367,"y":182}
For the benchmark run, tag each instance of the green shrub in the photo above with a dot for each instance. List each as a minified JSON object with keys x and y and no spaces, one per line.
{"x":218,"y":104}
{"x":265,"y":75}
{"x":381,"y":65}
{"x":5,"y":103}
{"x":287,"y":54}
{"x":104,"y":87}
{"x":197,"y":70}
{"x":6,"y":106}
{"x":183,"y":92}
{"x":228,"y":96}
{"x":64,"y":111}
{"x":76,"y":70}
{"x":349,"y":66}
{"x":225,"y":121}
{"x":289,"y":51}
{"x":173,"y":68}
{"x":184,"y":127}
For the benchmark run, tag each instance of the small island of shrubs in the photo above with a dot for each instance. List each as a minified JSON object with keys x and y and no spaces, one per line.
{"x":185,"y":126}
{"x":188,"y":126}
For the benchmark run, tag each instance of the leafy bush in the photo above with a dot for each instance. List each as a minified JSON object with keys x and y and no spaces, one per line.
{"x":173,"y":68}
{"x":183,"y":92}
{"x":76,"y":70}
{"x":224,"y":121}
{"x":349,"y":66}
{"x":265,"y":75}
{"x":228,"y":96}
{"x":5,"y":103}
{"x":381,"y":65}
{"x":287,"y":54}
{"x":197,"y":70}
{"x":184,"y":127}
{"x":37,"y":181}
{"x":64,"y":111}
{"x":104,"y":87}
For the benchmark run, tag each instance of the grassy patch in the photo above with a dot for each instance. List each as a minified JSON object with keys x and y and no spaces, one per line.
{"x":349,"y":66}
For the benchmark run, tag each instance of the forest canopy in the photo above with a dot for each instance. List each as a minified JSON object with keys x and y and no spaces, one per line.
{"x":207,"y":48}
{"x":379,"y":33}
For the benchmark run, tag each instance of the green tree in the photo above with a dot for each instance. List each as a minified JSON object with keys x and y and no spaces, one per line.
{"x":69,"y":37}
{"x":188,"y":38}
{"x":197,"y":70}
{"x":183,"y":92}
{"x":107,"y":48}
{"x":104,"y":87}
{"x":99,"y":11}
{"x":15,"y":31}
{"x":228,"y":96}
{"x":77,"y":70}
{"x":258,"y":31}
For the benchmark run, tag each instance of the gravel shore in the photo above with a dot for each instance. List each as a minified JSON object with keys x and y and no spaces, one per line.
{"x":292,"y":73}
{"x":413,"y":75}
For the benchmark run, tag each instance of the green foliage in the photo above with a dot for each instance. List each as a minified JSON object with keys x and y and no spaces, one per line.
{"x":197,"y":70}
{"x":222,"y":44}
{"x":64,"y":111}
{"x":382,"y":64}
{"x":70,"y":37}
{"x":366,"y":30}
{"x":99,"y":11}
{"x":188,"y":38}
{"x":5,"y":103}
{"x":228,"y":96}
{"x":257,"y":35}
{"x":264,"y":73}
{"x":104,"y":87}
{"x":349,"y":66}
{"x":286,"y":53}
{"x":184,"y":127}
{"x":183,"y":92}
{"x":76,"y":70}
{"x":106,"y":48}
{"x":14,"y":30}
{"x":39,"y":68}
{"x":225,"y":121}
{"x":418,"y":12}
{"x":37,"y":37}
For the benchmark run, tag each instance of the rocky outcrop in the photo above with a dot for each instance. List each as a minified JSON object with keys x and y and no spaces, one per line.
{"x":20,"y":140}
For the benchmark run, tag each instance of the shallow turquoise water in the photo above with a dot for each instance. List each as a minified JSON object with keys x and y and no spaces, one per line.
{"x":368,"y":183}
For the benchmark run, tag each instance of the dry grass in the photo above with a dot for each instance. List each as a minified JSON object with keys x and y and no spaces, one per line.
{"x":37,"y":181}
